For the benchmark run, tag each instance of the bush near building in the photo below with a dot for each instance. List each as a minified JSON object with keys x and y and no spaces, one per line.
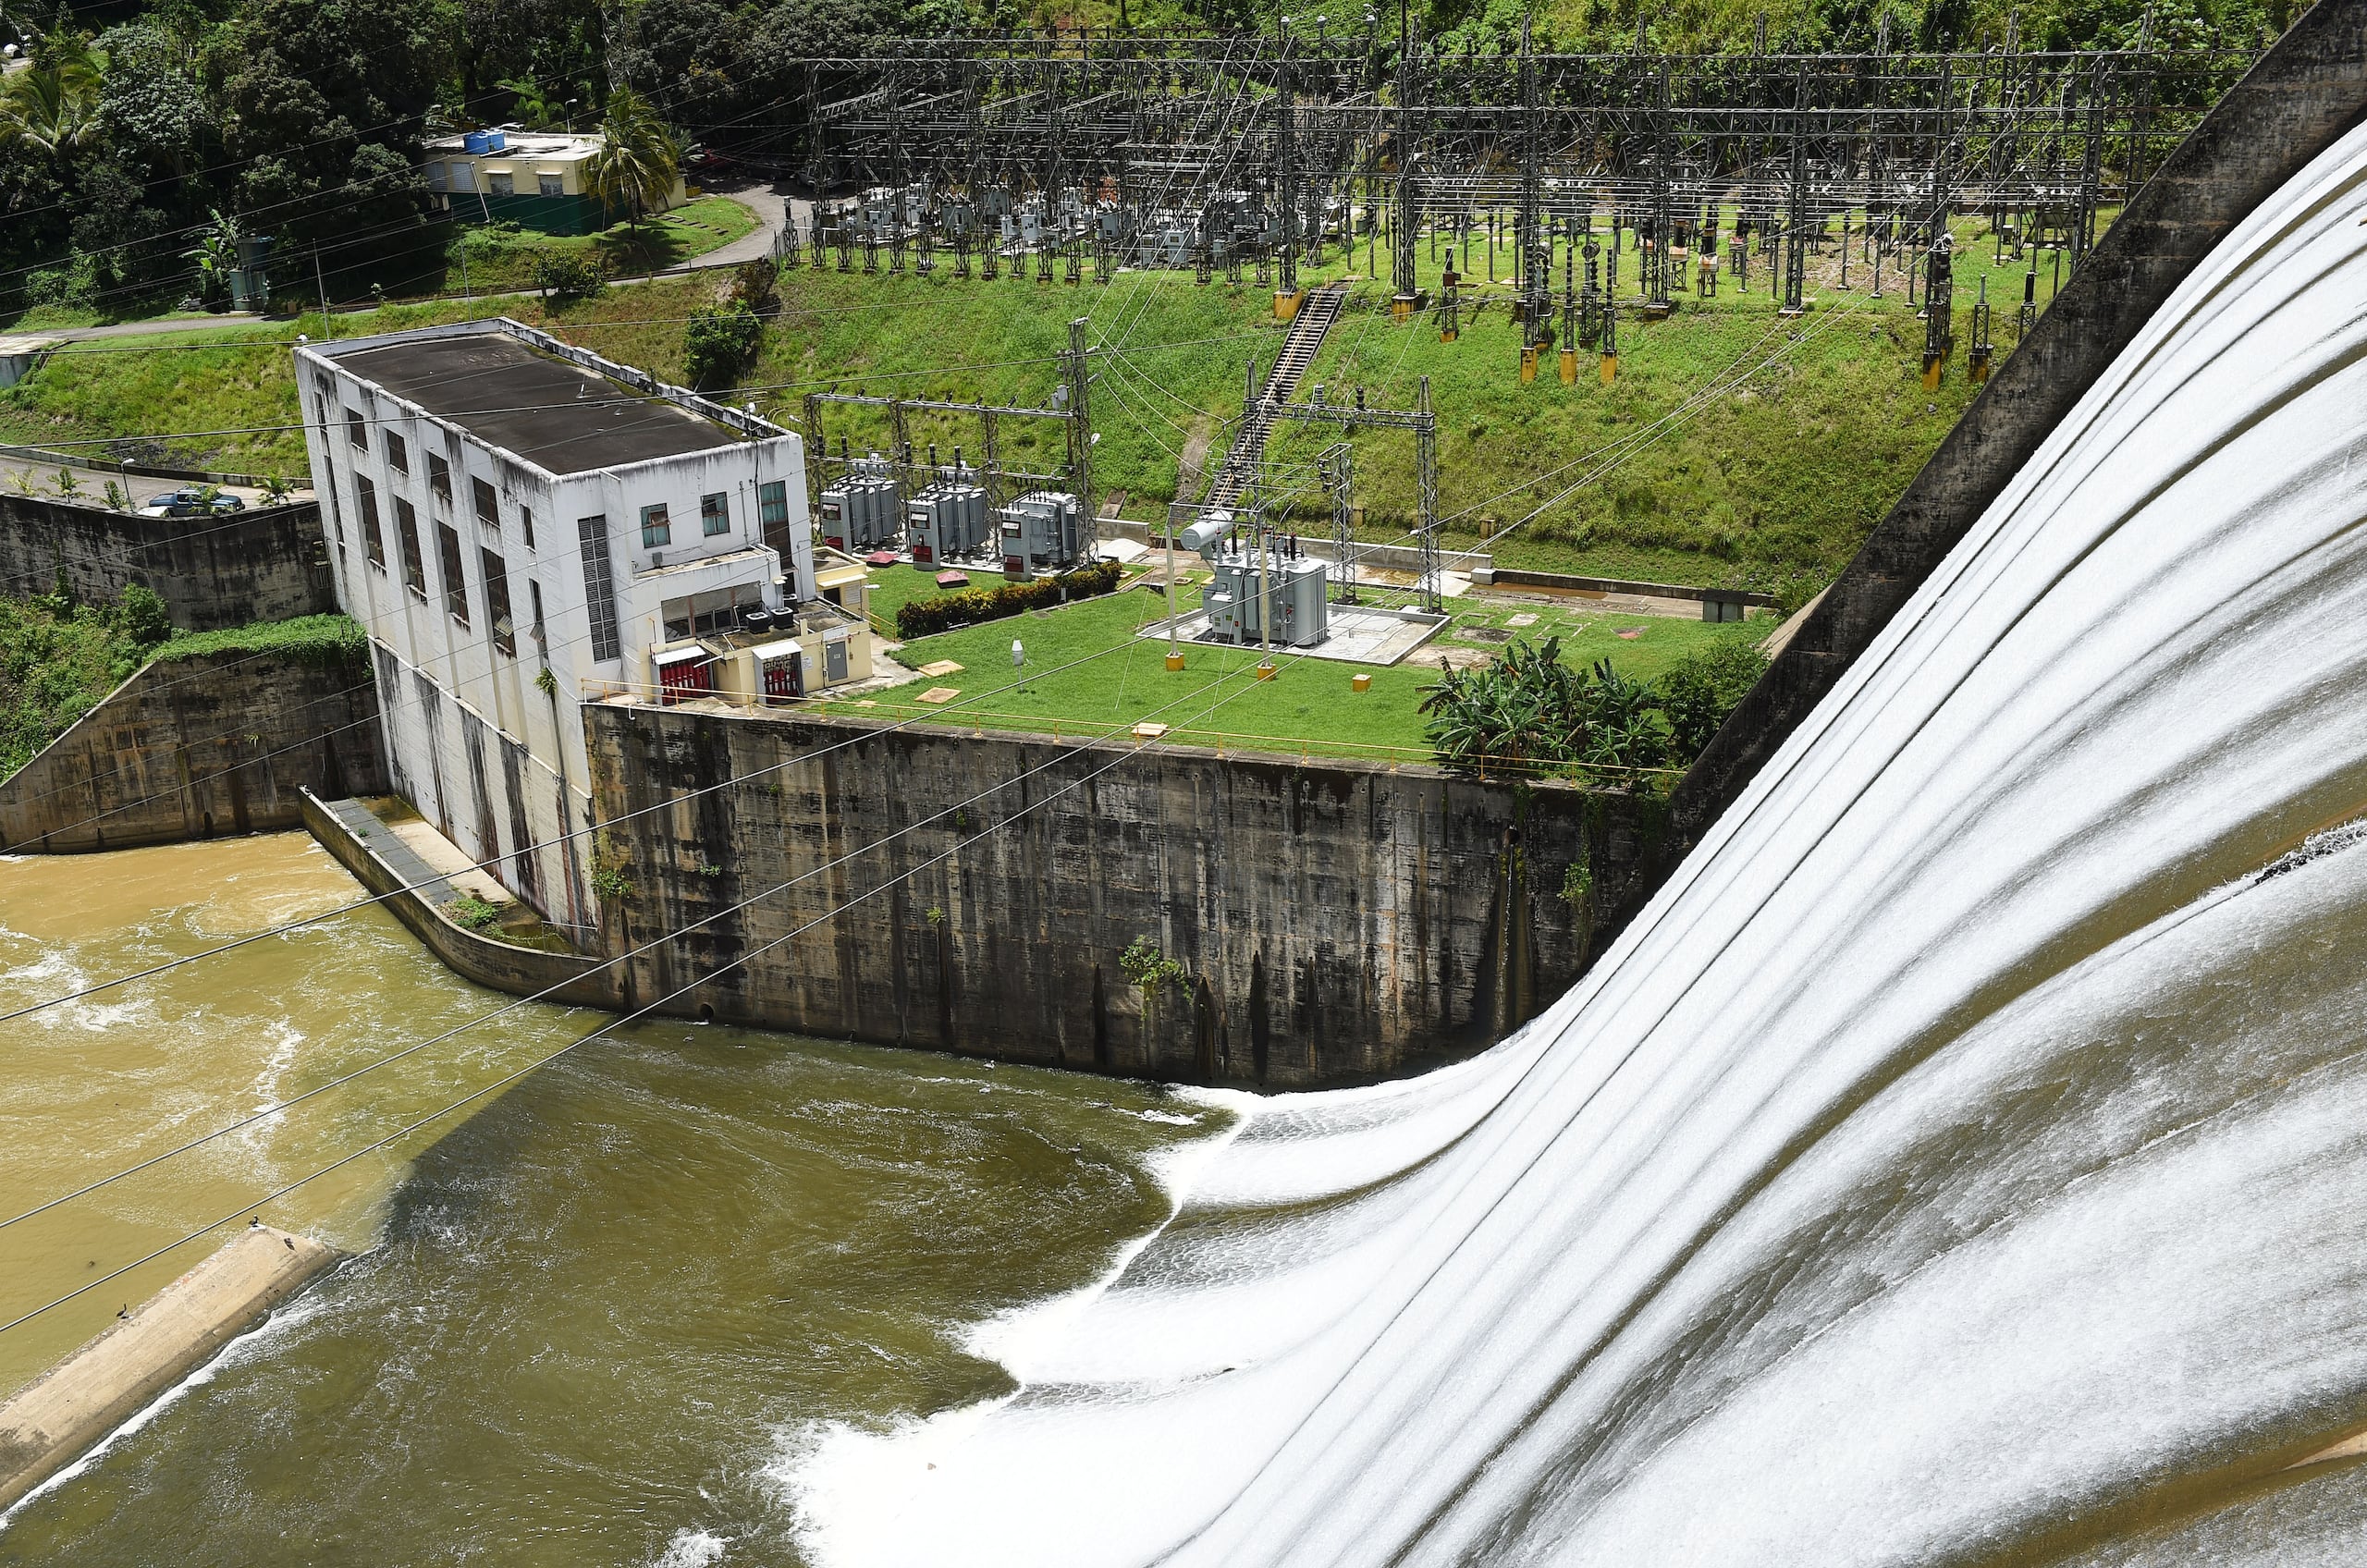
{"x":968,"y":606}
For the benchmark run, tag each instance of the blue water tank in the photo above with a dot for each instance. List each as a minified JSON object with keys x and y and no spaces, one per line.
{"x":476,"y":141}
{"x":497,"y":140}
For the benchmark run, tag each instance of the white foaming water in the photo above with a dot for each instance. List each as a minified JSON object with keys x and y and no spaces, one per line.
{"x":1955,"y":1163}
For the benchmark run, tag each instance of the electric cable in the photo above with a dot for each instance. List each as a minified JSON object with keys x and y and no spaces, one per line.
{"x":604,"y":1030}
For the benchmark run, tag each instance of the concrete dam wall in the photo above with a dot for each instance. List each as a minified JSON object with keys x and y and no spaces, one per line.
{"x":269,"y":564}
{"x":1333,"y":922}
{"x":196,"y":748}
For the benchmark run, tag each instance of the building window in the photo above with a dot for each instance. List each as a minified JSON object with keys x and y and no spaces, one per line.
{"x":703,"y":615}
{"x":526,"y":524}
{"x":357,"y":430}
{"x":772,"y":506}
{"x":337,"y":512}
{"x":497,"y":602}
{"x":407,"y":535}
{"x":439,"y":479}
{"x":715,"y":514}
{"x":373,"y":539}
{"x":500,"y":185}
{"x":534,"y":597}
{"x":397,"y":455}
{"x":599,"y":585}
{"x":550,"y":185}
{"x":488,"y":510}
{"x":436,"y":177}
{"x":464,"y":176}
{"x":456,"y":586}
{"x":655,"y":532}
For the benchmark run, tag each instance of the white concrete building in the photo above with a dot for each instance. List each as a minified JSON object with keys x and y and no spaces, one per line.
{"x":523,"y":526}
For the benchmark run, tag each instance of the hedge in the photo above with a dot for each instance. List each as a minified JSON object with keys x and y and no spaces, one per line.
{"x":968,"y":606}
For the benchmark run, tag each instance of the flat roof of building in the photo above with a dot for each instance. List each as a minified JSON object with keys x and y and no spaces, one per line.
{"x":560,"y":417}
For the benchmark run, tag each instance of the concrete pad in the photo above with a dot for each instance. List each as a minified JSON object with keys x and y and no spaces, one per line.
{"x":1125,"y":552}
{"x":1360,"y":634}
{"x":60,"y":1415}
{"x":937,"y":695}
{"x":447,"y":859}
{"x":941,"y":668}
{"x":1520,"y":620}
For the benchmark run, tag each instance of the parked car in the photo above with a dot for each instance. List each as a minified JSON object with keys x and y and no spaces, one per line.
{"x":195,"y":502}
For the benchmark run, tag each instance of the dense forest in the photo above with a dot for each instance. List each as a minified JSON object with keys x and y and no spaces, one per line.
{"x":140,"y":139}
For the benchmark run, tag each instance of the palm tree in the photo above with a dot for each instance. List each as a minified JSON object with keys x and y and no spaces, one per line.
{"x":638,"y":157}
{"x":52,"y":106}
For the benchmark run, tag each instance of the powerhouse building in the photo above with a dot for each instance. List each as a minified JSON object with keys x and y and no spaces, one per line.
{"x":523,"y":526}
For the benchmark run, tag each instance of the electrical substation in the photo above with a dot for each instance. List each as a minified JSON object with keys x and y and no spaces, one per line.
{"x":1604,"y":185}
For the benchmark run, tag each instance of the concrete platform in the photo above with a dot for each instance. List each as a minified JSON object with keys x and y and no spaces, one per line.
{"x":59,"y":1417}
{"x":1360,"y":634}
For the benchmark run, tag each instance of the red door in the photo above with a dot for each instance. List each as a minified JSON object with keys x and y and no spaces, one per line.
{"x":684,"y":680}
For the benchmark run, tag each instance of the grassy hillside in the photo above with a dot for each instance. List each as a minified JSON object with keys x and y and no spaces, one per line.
{"x":1733,"y":449}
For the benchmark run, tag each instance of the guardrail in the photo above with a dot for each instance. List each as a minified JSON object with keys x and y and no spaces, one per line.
{"x":978,"y":721}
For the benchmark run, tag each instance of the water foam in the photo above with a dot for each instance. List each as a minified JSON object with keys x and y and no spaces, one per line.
{"x":1951,"y":1164}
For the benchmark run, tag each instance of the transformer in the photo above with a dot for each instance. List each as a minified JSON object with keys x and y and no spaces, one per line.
{"x":948,"y":519}
{"x":859,"y":512}
{"x":1039,"y":534}
{"x":1292,"y":585}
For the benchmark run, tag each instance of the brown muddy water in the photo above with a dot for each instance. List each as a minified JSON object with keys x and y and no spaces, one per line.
{"x":596,"y":1322}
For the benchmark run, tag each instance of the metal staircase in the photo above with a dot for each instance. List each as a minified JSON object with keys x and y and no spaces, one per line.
{"x":1316,"y":314}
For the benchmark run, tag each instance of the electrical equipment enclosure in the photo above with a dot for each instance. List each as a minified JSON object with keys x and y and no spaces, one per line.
{"x":1295,"y":586}
{"x":948,"y":519}
{"x":1039,"y":534}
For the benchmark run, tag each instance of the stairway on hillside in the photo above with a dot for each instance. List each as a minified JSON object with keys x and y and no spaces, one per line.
{"x":1316,"y":314}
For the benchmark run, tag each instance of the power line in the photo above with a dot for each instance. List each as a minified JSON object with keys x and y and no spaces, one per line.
{"x":615,"y":1023}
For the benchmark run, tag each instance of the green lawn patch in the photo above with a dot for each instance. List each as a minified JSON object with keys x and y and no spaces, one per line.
{"x":501,"y":255}
{"x":313,"y":639}
{"x":1215,"y":700}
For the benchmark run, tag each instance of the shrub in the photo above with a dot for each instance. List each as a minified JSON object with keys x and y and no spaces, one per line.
{"x":563,"y":276}
{"x":471,"y":912}
{"x":969,"y":606}
{"x":142,"y":619}
{"x":1703,"y":687}
{"x":717,"y":345}
{"x":1530,"y":713}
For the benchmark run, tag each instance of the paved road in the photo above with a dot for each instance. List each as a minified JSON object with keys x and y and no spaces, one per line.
{"x":758,"y":242}
{"x":92,"y":484}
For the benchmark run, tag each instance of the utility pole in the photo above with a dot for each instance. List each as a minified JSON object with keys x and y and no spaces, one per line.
{"x":1080,"y":427}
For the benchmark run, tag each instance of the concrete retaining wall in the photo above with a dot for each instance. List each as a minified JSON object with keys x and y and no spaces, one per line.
{"x":2303,"y":96}
{"x":1337,"y":921}
{"x":197,"y":748}
{"x":267,"y":564}
{"x":59,"y":1417}
{"x":521,"y":972}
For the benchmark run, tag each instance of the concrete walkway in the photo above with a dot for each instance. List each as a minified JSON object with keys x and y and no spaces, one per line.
{"x":59,"y":1417}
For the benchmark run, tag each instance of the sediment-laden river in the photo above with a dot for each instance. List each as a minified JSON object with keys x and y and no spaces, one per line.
{"x":599,"y":1322}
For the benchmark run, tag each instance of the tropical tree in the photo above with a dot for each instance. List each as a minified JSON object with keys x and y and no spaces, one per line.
{"x":638,"y":159}
{"x":52,"y":106}
{"x":1530,"y":713}
{"x":537,"y":108}
{"x":215,"y":256}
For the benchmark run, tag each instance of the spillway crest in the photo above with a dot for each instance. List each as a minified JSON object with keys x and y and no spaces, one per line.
{"x":1956,"y":1164}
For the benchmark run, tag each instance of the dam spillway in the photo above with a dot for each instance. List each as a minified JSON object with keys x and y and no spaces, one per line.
{"x":1953,"y":1163}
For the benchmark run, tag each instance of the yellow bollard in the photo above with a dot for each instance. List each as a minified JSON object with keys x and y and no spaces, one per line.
{"x":1360,"y":682}
{"x":1286,"y":305}
{"x":1931,"y":363}
{"x":1528,"y":366}
{"x":1569,"y":367}
{"x":1610,"y":369}
{"x":1266,"y":669}
{"x":1175,"y":661}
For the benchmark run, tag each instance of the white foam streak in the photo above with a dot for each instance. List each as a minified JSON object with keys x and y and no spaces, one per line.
{"x":1958,"y":1146}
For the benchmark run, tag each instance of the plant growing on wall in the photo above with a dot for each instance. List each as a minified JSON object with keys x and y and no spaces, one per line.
{"x":1152,"y":971}
{"x":717,"y":345}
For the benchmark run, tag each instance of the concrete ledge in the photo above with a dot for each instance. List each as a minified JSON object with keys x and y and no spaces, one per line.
{"x":569,"y":978}
{"x":1506,"y":577}
{"x":60,"y":1415}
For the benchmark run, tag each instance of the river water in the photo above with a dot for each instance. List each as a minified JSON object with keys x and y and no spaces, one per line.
{"x":602,"y":1320}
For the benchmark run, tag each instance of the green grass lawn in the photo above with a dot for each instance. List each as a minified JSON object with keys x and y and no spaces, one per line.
{"x":1215,"y":699}
{"x":503,"y":256}
{"x":1768,"y":482}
